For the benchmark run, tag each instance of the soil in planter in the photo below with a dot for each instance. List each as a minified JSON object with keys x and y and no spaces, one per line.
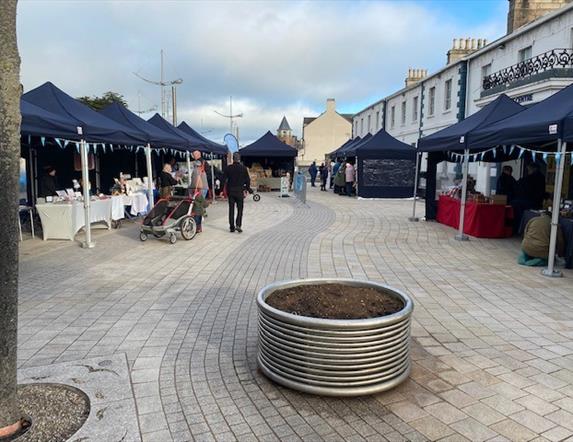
{"x":334,"y":301}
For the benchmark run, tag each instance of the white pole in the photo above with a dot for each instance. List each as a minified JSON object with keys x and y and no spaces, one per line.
{"x":414,"y":218}
{"x":461,"y":236}
{"x":550,"y":270}
{"x":149,"y":176}
{"x":212,"y":180}
{"x":87,"y":244}
{"x":188,"y":156}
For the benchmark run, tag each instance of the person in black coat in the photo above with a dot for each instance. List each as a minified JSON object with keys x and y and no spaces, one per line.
{"x":506,"y":184}
{"x":48,"y":182}
{"x":313,"y":171}
{"x":166,"y":182}
{"x":238,"y":182}
{"x":530,"y":192}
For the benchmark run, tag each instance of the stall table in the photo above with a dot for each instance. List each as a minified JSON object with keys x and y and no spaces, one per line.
{"x":62,"y":220}
{"x":137,"y":201}
{"x":566,"y":228}
{"x":482,"y":220}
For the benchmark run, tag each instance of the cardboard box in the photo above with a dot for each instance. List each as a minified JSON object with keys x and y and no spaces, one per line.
{"x":499,"y":199}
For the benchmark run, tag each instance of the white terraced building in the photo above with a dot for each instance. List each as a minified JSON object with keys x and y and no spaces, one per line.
{"x":528,"y":64}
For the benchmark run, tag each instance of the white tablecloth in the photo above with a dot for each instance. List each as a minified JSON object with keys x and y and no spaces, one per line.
{"x":64,"y":220}
{"x":137,"y":201}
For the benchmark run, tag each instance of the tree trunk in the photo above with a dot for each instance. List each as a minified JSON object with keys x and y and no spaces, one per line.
{"x":10,"y":416}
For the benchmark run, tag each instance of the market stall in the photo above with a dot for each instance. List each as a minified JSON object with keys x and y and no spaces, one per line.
{"x":90,"y":127}
{"x":268,"y":159}
{"x":542,"y":131}
{"x":454,"y":143}
{"x":202,"y":143}
{"x":386,"y":167}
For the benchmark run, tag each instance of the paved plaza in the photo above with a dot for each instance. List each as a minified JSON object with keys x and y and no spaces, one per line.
{"x":492,"y":341}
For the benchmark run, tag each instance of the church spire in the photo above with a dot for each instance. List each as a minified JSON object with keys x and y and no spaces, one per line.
{"x":284,"y":126}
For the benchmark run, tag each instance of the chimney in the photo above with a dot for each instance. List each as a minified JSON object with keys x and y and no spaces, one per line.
{"x":522,"y":12}
{"x":415,"y":75}
{"x":464,"y":46}
{"x":330,"y":105}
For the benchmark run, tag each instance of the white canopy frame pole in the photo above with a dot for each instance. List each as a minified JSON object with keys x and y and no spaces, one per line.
{"x":461,"y":236}
{"x":550,"y":270}
{"x":149,"y":176}
{"x":189,"y":171}
{"x":87,"y":244}
{"x":414,"y":218}
{"x":212,"y":180}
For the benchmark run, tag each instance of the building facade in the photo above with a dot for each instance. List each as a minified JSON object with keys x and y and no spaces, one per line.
{"x":322,"y":134}
{"x":533,"y":61}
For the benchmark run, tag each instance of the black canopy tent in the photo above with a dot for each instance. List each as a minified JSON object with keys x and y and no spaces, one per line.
{"x":269,"y":150}
{"x":349,"y":151}
{"x":334,"y":154}
{"x":386,"y":167}
{"x":457,"y":139}
{"x":203,"y":144}
{"x":544,"y":128}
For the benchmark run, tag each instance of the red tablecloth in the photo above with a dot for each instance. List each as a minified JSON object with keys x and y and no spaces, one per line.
{"x":481,"y":220}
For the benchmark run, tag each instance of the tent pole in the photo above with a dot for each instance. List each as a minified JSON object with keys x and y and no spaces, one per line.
{"x":87,"y":244}
{"x":149,"y":176}
{"x":461,"y":236}
{"x":212,"y":180}
{"x":188,"y":157}
{"x":550,"y":270}
{"x":414,"y":218}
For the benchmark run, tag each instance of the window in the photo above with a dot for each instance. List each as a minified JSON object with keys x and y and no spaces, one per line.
{"x":377,"y":120}
{"x":361,"y":126}
{"x":448,"y":95}
{"x":485,"y":71}
{"x":392,"y":116}
{"x":403,"y":116}
{"x":356,"y":128}
{"x":432,"y":101}
{"x":524,"y":54}
{"x":415,"y":109}
{"x":369,"y":123}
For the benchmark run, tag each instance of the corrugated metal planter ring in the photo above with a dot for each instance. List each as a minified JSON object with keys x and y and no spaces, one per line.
{"x":334,"y":357}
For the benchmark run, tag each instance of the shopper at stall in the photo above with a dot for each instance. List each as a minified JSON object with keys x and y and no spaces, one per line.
{"x":530,"y":192}
{"x":237,"y":182}
{"x":313,"y":171}
{"x":535,"y":244}
{"x":333,"y":172}
{"x":349,"y":178}
{"x":323,"y":169}
{"x":199,"y":211}
{"x":339,"y":179}
{"x":199,"y":181}
{"x":48,"y":182}
{"x":166,"y":182}
{"x":506,"y":184}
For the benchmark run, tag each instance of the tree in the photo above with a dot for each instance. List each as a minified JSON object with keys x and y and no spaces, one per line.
{"x":10,"y":416}
{"x":98,"y":103}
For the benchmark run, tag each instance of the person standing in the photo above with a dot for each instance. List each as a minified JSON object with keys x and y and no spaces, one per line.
{"x":506,"y":184}
{"x":238,"y":182}
{"x":323,"y":169}
{"x":349,"y":178}
{"x":166,"y":182}
{"x":312,"y":170}
{"x":198,"y":182}
{"x":48,"y":182}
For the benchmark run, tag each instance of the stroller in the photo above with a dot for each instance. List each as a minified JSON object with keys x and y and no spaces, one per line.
{"x":168,"y":217}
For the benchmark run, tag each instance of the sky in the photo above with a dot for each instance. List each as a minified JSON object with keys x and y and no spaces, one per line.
{"x":273,"y":57}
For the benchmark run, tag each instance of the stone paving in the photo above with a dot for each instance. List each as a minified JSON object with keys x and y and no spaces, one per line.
{"x":492,"y":348}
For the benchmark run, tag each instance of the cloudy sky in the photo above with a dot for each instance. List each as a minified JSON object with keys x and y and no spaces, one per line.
{"x":275,"y":58}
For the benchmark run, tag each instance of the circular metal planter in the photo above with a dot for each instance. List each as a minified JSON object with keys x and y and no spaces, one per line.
{"x":334,"y":357}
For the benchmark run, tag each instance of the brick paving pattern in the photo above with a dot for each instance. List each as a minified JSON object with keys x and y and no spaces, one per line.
{"x":492,"y":341}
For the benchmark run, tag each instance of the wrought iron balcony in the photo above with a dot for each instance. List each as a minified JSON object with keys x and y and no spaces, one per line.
{"x":556,"y":58}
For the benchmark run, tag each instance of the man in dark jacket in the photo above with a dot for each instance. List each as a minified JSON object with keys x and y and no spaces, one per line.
{"x":48,"y":182}
{"x":506,"y":184}
{"x":313,"y":171}
{"x":238,"y":182}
